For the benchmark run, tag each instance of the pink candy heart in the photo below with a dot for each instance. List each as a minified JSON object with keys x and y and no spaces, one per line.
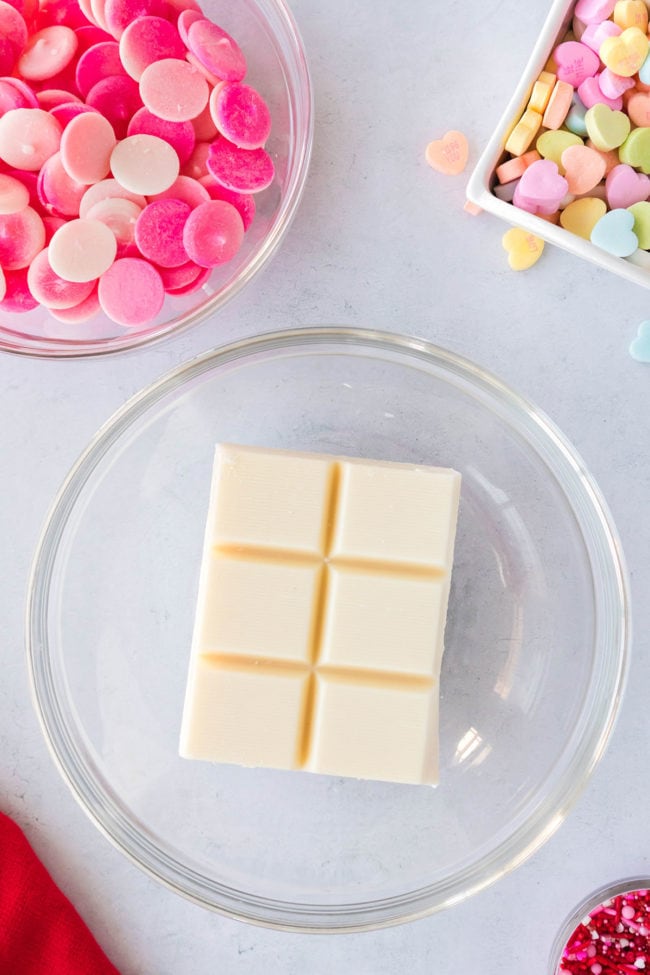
{"x":594,"y":11}
{"x":625,"y":187}
{"x":575,"y":62}
{"x":594,"y":34}
{"x":613,"y":85}
{"x":541,"y":188}
{"x":590,"y":94}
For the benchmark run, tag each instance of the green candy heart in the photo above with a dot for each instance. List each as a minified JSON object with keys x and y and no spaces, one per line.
{"x":552,"y":144}
{"x":635,"y":151}
{"x":641,"y":213}
{"x":607,"y":129}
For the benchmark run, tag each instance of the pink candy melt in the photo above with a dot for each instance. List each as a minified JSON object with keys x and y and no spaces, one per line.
{"x":159,"y":232}
{"x":242,"y":170}
{"x":131,"y":292}
{"x":241,"y":115}
{"x":213,"y":233}
{"x":130,"y":151}
{"x":216,"y":50}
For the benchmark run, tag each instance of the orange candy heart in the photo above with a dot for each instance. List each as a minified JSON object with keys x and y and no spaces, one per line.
{"x":583,"y":168}
{"x":449,"y":154}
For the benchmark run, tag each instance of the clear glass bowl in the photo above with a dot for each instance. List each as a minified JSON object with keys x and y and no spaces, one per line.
{"x":585,"y":907}
{"x":267,"y":32}
{"x":536,"y":640}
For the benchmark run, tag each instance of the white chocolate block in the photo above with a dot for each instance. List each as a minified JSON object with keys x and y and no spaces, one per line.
{"x":321,"y":614}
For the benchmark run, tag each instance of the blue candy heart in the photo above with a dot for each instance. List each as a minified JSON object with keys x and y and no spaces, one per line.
{"x":575,"y":120}
{"x":644,"y":71}
{"x":640,"y":348}
{"x":613,"y":233}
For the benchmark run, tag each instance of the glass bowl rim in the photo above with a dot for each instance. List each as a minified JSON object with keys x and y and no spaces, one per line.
{"x":611,"y":658}
{"x":269,"y":246}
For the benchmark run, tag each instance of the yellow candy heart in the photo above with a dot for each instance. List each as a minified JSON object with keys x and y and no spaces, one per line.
{"x":625,"y":54}
{"x":631,"y":13}
{"x":581,"y":216}
{"x":524,"y":249}
{"x":552,"y":144}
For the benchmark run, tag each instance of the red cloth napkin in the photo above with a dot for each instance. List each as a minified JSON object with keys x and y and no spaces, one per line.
{"x":40,"y":931}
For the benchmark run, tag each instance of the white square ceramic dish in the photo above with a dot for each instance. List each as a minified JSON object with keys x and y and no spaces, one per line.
{"x":482,"y":180}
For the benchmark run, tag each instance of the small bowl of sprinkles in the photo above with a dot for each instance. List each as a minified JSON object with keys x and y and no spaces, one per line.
{"x":608,"y":933}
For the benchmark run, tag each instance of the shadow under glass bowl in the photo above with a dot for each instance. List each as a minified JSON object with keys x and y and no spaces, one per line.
{"x":536,"y":642}
{"x":277,"y":66}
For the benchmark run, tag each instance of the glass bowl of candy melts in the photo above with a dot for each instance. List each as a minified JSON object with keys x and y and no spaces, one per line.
{"x":535,"y":643}
{"x":152,"y":155}
{"x":570,"y":159}
{"x":608,"y":933}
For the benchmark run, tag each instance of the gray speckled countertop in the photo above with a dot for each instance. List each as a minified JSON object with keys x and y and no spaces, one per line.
{"x":379,"y":240}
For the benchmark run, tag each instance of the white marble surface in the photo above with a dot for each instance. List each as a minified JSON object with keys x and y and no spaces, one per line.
{"x":379,"y":240}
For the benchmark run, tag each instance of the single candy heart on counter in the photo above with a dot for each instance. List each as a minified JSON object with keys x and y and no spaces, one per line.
{"x":594,"y":11}
{"x":449,"y":154}
{"x":625,"y":187}
{"x":625,"y":54}
{"x":640,"y":347}
{"x":635,"y":151}
{"x":581,"y":216}
{"x":641,"y":214}
{"x":552,"y":144}
{"x":541,"y":187}
{"x":638,"y":108}
{"x":583,"y":168}
{"x":613,"y":233}
{"x":524,"y":249}
{"x":607,"y":129}
{"x":576,"y":62}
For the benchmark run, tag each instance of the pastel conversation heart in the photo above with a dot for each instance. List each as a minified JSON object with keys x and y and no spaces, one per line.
{"x":590,"y":94}
{"x":575,"y":120}
{"x":644,"y":71}
{"x":581,"y":216}
{"x":575,"y":62}
{"x":631,"y":13}
{"x":552,"y":144}
{"x":449,"y":154}
{"x":635,"y":151}
{"x":613,"y":233}
{"x":641,"y":214}
{"x":614,"y":85}
{"x":541,"y":188}
{"x":583,"y":168}
{"x":625,"y":54}
{"x":625,"y":187}
{"x":607,"y":129}
{"x":638,"y":108}
{"x":524,"y":249}
{"x":595,"y":33}
{"x":594,"y":11}
{"x":640,"y":347}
